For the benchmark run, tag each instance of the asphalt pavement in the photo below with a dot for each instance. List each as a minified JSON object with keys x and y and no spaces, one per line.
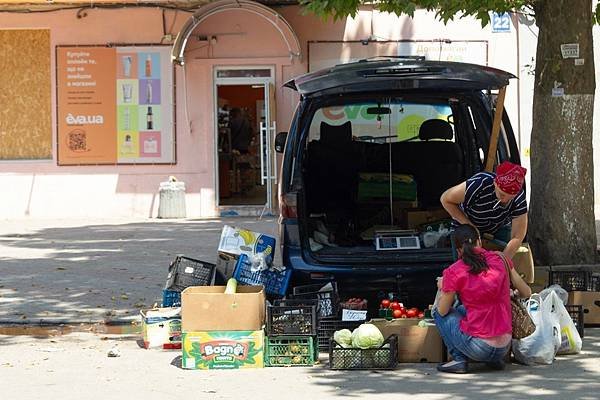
{"x":100,"y":270}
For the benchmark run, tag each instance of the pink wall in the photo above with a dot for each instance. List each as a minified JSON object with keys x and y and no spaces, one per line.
{"x":41,"y":188}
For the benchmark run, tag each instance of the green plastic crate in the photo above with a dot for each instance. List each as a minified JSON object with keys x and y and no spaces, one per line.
{"x":289,"y":351}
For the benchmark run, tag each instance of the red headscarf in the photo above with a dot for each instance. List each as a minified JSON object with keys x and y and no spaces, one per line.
{"x":510,"y":177}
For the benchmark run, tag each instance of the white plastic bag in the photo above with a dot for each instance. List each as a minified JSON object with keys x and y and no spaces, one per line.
{"x":562,"y":293}
{"x":570,"y":341}
{"x":541,"y":346}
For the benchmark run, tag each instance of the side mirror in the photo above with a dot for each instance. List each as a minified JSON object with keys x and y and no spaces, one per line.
{"x":280,"y":141}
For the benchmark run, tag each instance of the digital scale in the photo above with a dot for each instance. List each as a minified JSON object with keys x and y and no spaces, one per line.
{"x":397,"y":240}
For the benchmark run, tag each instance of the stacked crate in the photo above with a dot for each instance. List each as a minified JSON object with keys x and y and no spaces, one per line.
{"x":291,"y":331}
{"x":584,"y":290}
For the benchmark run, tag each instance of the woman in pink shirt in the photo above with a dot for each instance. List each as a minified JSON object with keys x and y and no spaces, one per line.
{"x":481,"y":328}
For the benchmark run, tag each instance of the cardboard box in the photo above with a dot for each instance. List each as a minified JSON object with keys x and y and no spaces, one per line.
{"x":223,"y":350}
{"x":161,"y":328}
{"x":208,"y":308}
{"x":416,"y":218}
{"x":238,"y":241}
{"x":415,"y":344}
{"x":523,"y":262}
{"x":591,"y":306}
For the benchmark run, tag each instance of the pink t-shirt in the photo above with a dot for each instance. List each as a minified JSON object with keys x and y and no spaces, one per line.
{"x":486,"y":296}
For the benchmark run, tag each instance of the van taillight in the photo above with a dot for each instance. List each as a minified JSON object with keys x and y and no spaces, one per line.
{"x":288,"y":204}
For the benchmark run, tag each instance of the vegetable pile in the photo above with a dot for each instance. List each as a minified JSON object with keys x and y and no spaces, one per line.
{"x":399,"y":311}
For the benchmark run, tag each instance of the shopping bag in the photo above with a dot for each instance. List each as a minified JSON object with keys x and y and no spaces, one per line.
{"x":570,"y":341}
{"x":541,"y":346}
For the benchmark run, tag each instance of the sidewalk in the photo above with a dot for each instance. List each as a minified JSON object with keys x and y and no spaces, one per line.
{"x":102,"y":270}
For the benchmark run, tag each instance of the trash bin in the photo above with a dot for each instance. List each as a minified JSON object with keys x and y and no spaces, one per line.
{"x":171,"y":200}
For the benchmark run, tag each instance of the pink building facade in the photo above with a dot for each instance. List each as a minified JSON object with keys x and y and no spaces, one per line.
{"x":238,"y":56}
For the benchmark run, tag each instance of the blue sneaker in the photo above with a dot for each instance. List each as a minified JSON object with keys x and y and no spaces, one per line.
{"x":454,"y":367}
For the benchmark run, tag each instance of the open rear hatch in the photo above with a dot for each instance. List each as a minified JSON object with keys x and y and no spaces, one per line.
{"x":378,"y":158}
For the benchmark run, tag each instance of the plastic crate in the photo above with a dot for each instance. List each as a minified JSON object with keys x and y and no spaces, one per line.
{"x":575,"y":280}
{"x":384,"y":357}
{"x":576,"y":313}
{"x":171,"y":298}
{"x":327,"y":328}
{"x":185,"y":272}
{"x":289,"y":351}
{"x":291,"y":317}
{"x":275,"y":282}
{"x":328,"y":300}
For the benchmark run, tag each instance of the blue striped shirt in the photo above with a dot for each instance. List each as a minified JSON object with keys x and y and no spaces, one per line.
{"x":483,"y":208}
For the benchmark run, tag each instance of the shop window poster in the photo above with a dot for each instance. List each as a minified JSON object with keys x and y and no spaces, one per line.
{"x":139,"y":110}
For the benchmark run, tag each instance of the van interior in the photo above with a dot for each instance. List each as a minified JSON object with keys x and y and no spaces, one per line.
{"x":374,"y":171}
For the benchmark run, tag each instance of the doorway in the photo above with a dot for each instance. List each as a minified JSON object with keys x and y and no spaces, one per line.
{"x":244,"y":154}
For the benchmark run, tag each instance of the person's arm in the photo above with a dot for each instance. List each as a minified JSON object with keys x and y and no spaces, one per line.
{"x":451,"y":199}
{"x":517,"y":234}
{"x":445,"y":303}
{"x":523,"y":289}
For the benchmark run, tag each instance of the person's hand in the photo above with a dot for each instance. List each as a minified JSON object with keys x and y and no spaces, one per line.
{"x":439,"y":282}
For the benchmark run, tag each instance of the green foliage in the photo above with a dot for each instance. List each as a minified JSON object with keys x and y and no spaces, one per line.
{"x":446,"y":10}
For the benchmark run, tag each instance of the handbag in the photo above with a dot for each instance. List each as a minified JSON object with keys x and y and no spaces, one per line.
{"x":522,"y":324}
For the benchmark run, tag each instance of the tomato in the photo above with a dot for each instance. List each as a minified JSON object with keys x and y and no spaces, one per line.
{"x":385,"y":303}
{"x":403,"y":310}
{"x":394,"y":305}
{"x":397,"y":314}
{"x":411,"y":313}
{"x":421,"y":315}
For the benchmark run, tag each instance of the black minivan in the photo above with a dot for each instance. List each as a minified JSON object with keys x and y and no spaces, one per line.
{"x":372,"y":146}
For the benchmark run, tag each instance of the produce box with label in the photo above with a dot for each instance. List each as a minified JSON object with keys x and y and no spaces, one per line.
{"x":223,"y":350}
{"x":161,"y":328}
{"x":239,"y":241}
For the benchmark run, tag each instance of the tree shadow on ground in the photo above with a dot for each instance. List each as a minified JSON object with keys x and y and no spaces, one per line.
{"x":100,"y":272}
{"x":573,"y":376}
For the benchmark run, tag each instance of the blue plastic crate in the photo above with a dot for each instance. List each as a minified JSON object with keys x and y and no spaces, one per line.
{"x":171,"y":298}
{"x":275,"y":282}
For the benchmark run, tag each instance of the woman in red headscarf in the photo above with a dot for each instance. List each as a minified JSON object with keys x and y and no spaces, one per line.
{"x":492,"y":202}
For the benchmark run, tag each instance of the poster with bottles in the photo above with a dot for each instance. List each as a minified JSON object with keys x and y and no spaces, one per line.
{"x":144,"y":105}
{"x":133,"y":121}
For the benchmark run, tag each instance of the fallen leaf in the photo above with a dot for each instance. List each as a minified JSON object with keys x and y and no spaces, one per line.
{"x":61,"y":269}
{"x":124,"y":297}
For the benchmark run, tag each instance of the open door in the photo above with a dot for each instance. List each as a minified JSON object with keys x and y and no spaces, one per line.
{"x":245,"y":135}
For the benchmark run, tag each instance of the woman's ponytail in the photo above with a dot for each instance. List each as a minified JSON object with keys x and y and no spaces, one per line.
{"x":465,"y":237}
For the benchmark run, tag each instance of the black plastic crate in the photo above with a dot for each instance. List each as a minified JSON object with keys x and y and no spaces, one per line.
{"x":384,"y":357}
{"x":291,"y":317}
{"x":576,"y":313}
{"x":185,"y":272}
{"x":575,"y":280}
{"x":328,"y":326}
{"x":328,"y":300}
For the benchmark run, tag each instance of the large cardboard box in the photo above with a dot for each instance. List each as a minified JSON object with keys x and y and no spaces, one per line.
{"x":161,"y":328}
{"x":415,"y":343}
{"x":208,"y":308}
{"x":223,"y":350}
{"x":522,"y":260}
{"x":591,"y":305}
{"x":416,"y":218}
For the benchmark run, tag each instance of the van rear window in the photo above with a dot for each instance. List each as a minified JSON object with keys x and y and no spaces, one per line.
{"x":381,"y":123}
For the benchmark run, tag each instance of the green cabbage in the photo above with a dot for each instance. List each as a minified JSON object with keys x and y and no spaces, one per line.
{"x":367,"y":336}
{"x":343,"y":338}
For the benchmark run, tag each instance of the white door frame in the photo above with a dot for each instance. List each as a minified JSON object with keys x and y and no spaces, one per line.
{"x":218,"y":81}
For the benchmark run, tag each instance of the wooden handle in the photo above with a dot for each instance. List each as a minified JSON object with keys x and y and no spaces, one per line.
{"x":491,"y":155}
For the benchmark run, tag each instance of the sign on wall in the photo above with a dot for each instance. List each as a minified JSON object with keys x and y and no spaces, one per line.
{"x":115,"y":105}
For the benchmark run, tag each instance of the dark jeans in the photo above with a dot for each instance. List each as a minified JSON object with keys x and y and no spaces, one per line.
{"x":461,"y":346}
